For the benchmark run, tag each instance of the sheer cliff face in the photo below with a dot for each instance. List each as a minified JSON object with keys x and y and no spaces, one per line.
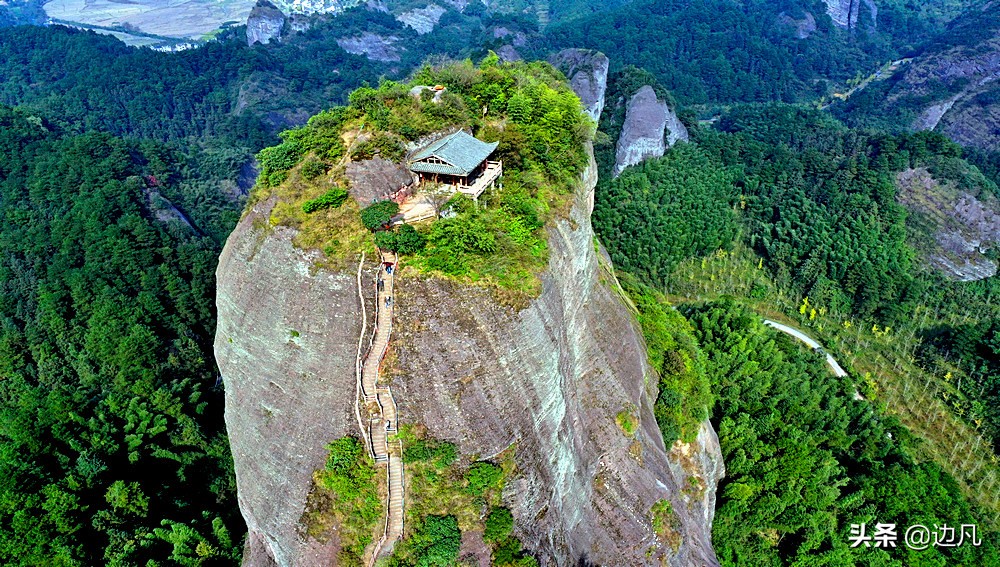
{"x":587,"y":71}
{"x":265,"y":23}
{"x":547,"y":380}
{"x":846,"y":13}
{"x":286,"y":344}
{"x":650,"y":128}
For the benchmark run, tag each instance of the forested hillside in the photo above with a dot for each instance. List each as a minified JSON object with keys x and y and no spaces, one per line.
{"x":949,"y":85}
{"x":814,"y":206}
{"x":111,"y":435}
{"x":707,"y":51}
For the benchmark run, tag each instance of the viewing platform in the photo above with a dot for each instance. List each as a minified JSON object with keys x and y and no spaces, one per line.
{"x":485,"y":180}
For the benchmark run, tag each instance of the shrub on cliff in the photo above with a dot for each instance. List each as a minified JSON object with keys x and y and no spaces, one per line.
{"x":405,"y":240}
{"x":349,"y":479}
{"x":378,"y":215}
{"x":331,"y":199}
{"x":685,"y":394}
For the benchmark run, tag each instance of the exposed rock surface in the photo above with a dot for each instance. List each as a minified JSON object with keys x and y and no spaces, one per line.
{"x":803,"y":27}
{"x":164,"y":210}
{"x":265,"y":23}
{"x":423,"y":19}
{"x":372,"y":46}
{"x":587,"y":71}
{"x":952,"y":87}
{"x":970,"y":111}
{"x":508,"y":53}
{"x":286,"y":344}
{"x":548,"y":379}
{"x":375,"y":178}
{"x":959,"y":227}
{"x":650,"y":127}
{"x":846,"y":13}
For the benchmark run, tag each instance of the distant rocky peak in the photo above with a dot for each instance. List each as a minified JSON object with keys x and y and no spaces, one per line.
{"x":265,"y":23}
{"x":587,"y":71}
{"x":650,"y":127}
{"x":846,"y":13}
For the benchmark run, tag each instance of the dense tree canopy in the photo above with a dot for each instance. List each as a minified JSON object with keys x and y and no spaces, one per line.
{"x":804,"y":460}
{"x":112,"y":447}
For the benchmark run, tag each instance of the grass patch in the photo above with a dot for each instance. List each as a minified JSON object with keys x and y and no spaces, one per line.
{"x":443,"y":490}
{"x":628,"y":420}
{"x":345,"y":497}
{"x":666,"y":524}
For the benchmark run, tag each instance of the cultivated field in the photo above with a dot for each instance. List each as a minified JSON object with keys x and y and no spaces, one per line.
{"x":187,"y":19}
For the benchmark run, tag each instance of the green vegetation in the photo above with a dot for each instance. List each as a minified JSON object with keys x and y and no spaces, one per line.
{"x":435,"y":542}
{"x":684,"y":195}
{"x":345,"y":495}
{"x":894,"y":104}
{"x":405,"y":240}
{"x":628,"y":421}
{"x":499,"y":242}
{"x":710,"y":51}
{"x":684,"y":395}
{"x":812,"y":227}
{"x":499,"y":525}
{"x":111,"y":433}
{"x":448,"y":497}
{"x":666,"y":524}
{"x":482,"y":477}
{"x":378,"y":215}
{"x":804,"y":460}
{"x":331,"y":199}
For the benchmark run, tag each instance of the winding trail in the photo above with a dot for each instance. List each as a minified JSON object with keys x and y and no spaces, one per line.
{"x":838,"y":370}
{"x":381,"y":406}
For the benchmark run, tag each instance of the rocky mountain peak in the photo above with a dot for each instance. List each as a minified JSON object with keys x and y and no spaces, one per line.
{"x":587,"y":71}
{"x":546,"y":380}
{"x":846,"y":13}
{"x":650,"y":127}
{"x":265,"y":23}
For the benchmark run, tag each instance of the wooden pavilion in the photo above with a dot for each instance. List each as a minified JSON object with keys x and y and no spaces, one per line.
{"x":459,"y":160}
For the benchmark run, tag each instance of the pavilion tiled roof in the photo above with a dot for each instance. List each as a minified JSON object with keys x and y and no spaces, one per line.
{"x":461,"y":153}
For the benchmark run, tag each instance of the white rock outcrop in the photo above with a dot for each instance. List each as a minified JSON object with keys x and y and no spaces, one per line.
{"x":265,"y":23}
{"x":650,"y":127}
{"x":587,"y":71}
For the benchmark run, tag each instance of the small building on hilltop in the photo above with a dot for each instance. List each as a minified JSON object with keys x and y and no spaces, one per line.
{"x":459,"y":160}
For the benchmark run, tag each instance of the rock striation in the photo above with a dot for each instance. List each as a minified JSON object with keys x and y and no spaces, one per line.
{"x":846,"y":13}
{"x":265,"y":23}
{"x":372,"y":46}
{"x":422,"y":20}
{"x":546,"y":381}
{"x":961,"y":228}
{"x":587,"y":71}
{"x":650,"y":127}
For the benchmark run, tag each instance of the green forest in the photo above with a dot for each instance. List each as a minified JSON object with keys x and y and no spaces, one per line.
{"x":114,"y":450}
{"x":804,"y":460}
{"x":814,"y":202}
{"x":712,"y":51}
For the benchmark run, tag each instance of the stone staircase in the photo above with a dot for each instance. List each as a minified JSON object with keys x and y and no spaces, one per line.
{"x":381,"y":407}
